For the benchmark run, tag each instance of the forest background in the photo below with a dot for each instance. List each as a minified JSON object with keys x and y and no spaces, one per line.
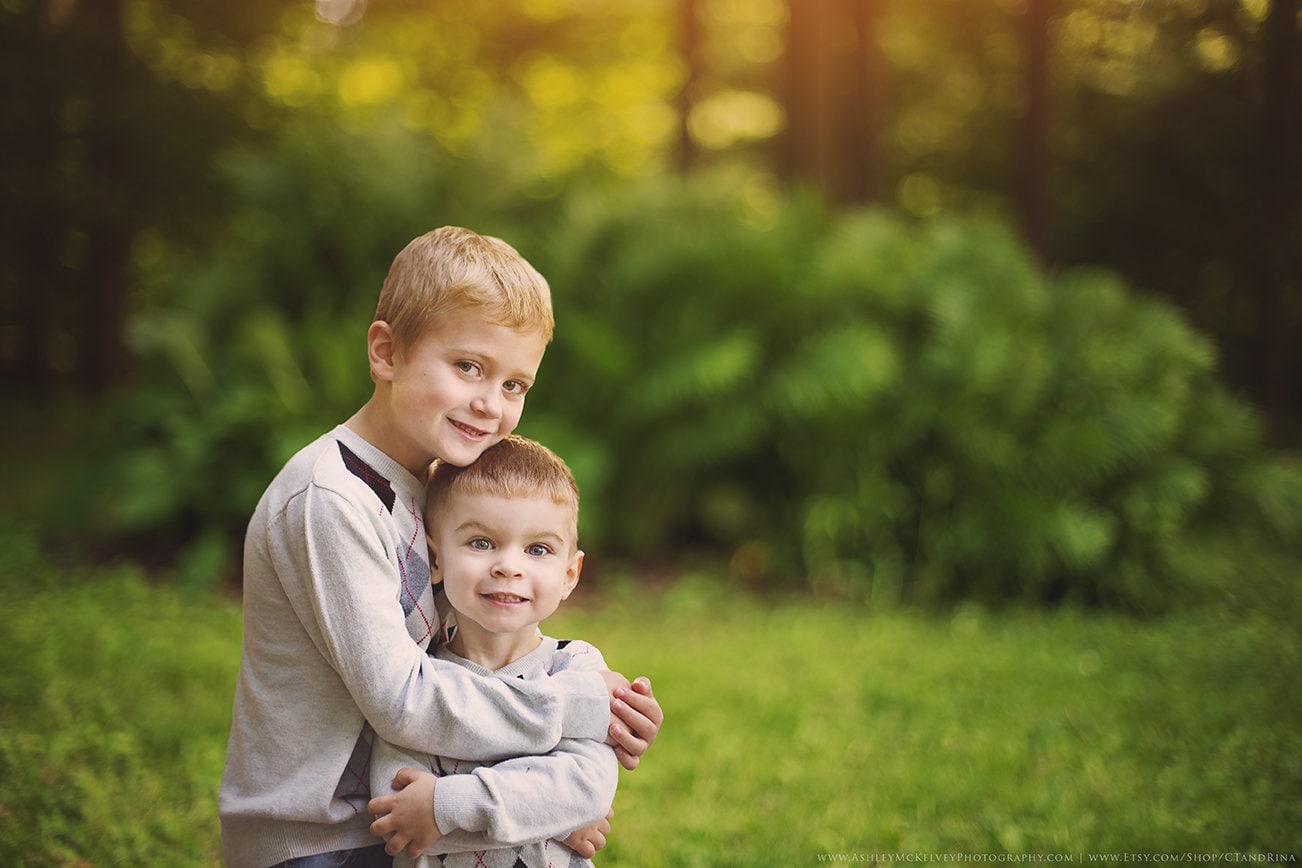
{"x":894,"y":305}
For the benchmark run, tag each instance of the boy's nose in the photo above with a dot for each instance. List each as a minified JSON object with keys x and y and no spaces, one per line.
{"x":487,"y":403}
{"x":507,"y":568}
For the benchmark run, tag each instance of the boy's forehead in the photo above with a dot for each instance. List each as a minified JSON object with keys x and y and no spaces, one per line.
{"x":524,"y":511}
{"x":469,"y":325}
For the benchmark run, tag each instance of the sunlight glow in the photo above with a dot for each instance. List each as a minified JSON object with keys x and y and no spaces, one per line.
{"x":901,"y":44}
{"x":340,"y":13}
{"x":1114,"y":53}
{"x":768,"y":12}
{"x":1256,"y":10}
{"x":1216,"y":52}
{"x":288,"y":80}
{"x":731,"y":116}
{"x":370,"y":81}
{"x":545,"y":10}
{"x":551,"y":84}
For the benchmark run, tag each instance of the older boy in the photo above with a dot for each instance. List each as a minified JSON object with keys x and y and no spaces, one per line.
{"x":503,"y":541}
{"x":336,"y":575}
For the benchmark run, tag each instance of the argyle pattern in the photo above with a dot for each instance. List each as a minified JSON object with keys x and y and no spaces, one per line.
{"x":556,"y":855}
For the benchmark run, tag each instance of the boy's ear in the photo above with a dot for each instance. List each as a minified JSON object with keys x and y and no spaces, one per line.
{"x":381,"y":350}
{"x":435,"y":573}
{"x":572,"y":574}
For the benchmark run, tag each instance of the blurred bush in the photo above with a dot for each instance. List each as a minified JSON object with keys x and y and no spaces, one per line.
{"x":896,"y":411}
{"x":880,"y":409}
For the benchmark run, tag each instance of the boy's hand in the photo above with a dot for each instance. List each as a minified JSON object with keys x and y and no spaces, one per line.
{"x":637,"y":719}
{"x":588,"y":840}
{"x":408,"y":814}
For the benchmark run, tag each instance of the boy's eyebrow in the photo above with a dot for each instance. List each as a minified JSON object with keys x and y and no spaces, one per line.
{"x":465,"y":351}
{"x":476,"y":525}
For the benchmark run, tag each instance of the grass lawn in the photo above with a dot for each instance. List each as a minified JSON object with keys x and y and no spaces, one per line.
{"x":795,"y":732}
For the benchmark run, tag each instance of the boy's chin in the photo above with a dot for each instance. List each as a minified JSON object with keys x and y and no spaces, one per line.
{"x":466,"y":454}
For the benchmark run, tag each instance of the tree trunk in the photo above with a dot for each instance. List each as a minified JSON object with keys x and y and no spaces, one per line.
{"x":831,"y":94}
{"x":689,"y":48}
{"x":1279,"y":213}
{"x":1033,"y":165}
{"x":864,"y":133}
{"x":110,"y":231}
{"x":807,"y":143}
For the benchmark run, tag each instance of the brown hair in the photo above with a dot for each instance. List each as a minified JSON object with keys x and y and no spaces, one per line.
{"x":451,"y":268}
{"x":514,"y":467}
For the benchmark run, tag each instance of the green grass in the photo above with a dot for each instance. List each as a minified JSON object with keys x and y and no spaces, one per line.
{"x":799,"y":730}
{"x":114,"y":706}
{"x":793,"y":729}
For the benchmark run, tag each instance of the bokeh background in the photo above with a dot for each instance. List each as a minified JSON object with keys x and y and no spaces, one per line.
{"x":933,"y":317}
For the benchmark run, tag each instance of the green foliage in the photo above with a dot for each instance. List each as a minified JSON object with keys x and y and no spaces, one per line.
{"x":896,"y":732}
{"x":878,"y":409}
{"x":895,"y":410}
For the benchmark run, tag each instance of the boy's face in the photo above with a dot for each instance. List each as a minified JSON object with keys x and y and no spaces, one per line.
{"x":457,"y":390}
{"x":506,"y":563}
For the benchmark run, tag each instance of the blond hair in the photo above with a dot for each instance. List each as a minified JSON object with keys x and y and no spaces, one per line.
{"x":453,"y":268}
{"x":514,"y":467}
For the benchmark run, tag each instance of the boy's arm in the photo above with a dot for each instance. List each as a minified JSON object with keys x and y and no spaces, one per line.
{"x":511,"y":803}
{"x":346,"y":591}
{"x":528,"y":799}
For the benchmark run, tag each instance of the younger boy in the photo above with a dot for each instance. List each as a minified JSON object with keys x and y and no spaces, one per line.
{"x":503,"y":540}
{"x":338,"y":607}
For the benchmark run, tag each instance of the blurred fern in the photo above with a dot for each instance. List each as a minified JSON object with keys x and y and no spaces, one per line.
{"x":915,"y":412}
{"x":878,"y":409}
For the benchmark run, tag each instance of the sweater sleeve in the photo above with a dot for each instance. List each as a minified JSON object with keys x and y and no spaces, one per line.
{"x":515,"y":802}
{"x":527,"y":799}
{"x":531,"y":798}
{"x":345,"y":590}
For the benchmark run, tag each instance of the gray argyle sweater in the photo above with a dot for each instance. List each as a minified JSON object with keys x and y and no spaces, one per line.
{"x":338,"y":613}
{"x":548,"y":800}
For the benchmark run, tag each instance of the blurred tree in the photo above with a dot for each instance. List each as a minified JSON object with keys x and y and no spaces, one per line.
{"x":689,"y":46}
{"x":1279,"y":186}
{"x":1033,"y":167}
{"x":1175,"y":171}
{"x":832,"y":86}
{"x":1169,"y":130}
{"x":108,"y":142}
{"x":1173,"y":130}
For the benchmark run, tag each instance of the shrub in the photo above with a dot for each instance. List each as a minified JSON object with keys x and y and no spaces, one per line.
{"x":895,"y":411}
{"x":881,"y":409}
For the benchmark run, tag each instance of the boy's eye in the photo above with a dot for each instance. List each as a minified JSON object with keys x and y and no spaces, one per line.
{"x":466,"y":367}
{"x":538,"y":550}
{"x":515,"y":387}
{"x":480,"y":544}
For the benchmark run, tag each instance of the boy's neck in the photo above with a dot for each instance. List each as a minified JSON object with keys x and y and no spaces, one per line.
{"x":492,"y":651}
{"x":370,"y":422}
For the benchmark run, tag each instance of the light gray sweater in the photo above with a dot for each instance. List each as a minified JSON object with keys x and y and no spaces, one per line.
{"x":338,"y":612}
{"x":547,"y":800}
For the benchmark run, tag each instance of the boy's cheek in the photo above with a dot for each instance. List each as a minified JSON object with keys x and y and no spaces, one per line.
{"x":510,"y":424}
